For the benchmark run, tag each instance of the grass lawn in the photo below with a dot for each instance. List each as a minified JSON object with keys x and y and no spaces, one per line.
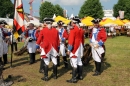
{"x":116,"y":68}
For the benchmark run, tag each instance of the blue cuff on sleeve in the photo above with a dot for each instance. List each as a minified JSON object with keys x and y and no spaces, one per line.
{"x":9,"y":33}
{"x":37,"y":46}
{"x":63,"y":39}
{"x":100,"y":43}
{"x":70,"y":47}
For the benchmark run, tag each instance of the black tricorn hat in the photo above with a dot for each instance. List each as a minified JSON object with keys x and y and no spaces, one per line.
{"x":76,"y":19}
{"x":96,"y":21}
{"x":3,"y":22}
{"x":60,"y":22}
{"x":48,"y":20}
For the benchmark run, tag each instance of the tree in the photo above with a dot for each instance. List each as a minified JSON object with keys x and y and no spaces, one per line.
{"x":6,"y":7}
{"x":122,"y":5}
{"x":58,"y":10}
{"x":47,"y":9}
{"x":91,"y":8}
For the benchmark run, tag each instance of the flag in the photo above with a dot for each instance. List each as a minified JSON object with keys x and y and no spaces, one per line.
{"x":18,"y":21}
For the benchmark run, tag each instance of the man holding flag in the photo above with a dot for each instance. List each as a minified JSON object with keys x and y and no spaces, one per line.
{"x":18,"y":22}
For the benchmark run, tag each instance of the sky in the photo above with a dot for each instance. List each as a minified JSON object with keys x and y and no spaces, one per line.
{"x":72,"y":6}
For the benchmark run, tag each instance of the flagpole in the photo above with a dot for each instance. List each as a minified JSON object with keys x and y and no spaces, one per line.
{"x":11,"y":49}
{"x":12,"y":37}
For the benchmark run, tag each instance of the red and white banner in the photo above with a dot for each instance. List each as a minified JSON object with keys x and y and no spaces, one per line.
{"x":18,"y":18}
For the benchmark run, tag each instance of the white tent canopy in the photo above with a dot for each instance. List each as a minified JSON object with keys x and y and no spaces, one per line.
{"x":35,"y":21}
{"x":54,"y":16}
{"x":72,"y":15}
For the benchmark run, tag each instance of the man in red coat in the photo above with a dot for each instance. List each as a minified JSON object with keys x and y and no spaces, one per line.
{"x":63,"y":36}
{"x":75,"y":49}
{"x":49,"y":47}
{"x":98,"y":37}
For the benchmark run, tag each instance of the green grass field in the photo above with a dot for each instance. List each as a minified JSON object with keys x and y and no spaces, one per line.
{"x":116,"y":68}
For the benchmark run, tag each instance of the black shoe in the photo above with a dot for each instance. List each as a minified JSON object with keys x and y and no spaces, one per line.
{"x":72,"y":81}
{"x":79,"y":77}
{"x":41,"y":71}
{"x":54,"y":76}
{"x":96,"y":73}
{"x":30,"y":63}
{"x":45,"y":78}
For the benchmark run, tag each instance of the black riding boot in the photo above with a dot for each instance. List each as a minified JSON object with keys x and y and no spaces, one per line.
{"x":5,"y":58}
{"x":45,"y":78}
{"x":65,"y":61}
{"x":98,"y":69}
{"x":58,"y":61}
{"x":95,"y":67}
{"x":0,"y":59}
{"x":54,"y":71}
{"x":41,"y":70}
{"x":80,"y":72}
{"x":31,"y":58}
{"x":73,"y":79}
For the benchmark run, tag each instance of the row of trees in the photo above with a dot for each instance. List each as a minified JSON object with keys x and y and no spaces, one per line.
{"x":122,"y":5}
{"x":6,"y":8}
{"x":47,"y":9}
{"x":94,"y":9}
{"x":91,"y":8}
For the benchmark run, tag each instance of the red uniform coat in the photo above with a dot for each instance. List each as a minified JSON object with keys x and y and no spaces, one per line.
{"x":101,"y":36}
{"x":75,"y":39}
{"x":35,"y":34}
{"x":65,"y":34}
{"x":49,"y":39}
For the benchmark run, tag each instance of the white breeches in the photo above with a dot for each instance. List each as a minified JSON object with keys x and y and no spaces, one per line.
{"x":79,"y":52}
{"x":62,"y":49}
{"x":47,"y":60}
{"x":5,"y":48}
{"x":52,"y":52}
{"x":31,"y":47}
{"x":76,"y":61}
{"x":96,"y":53}
{"x":50,"y":55}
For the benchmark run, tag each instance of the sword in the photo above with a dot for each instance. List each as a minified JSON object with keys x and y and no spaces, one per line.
{"x":97,"y":52}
